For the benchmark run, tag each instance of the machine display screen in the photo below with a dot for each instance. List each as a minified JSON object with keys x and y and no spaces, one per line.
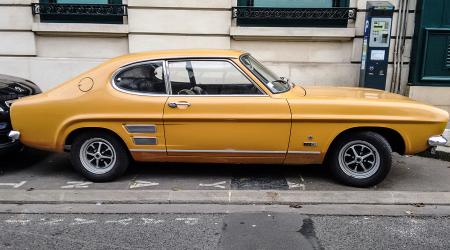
{"x":380,"y":32}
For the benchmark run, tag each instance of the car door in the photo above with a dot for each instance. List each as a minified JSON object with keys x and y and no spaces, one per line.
{"x":215,"y":110}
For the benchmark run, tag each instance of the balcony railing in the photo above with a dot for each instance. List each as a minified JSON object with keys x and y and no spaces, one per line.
{"x":309,"y":17}
{"x":80,"y":13}
{"x":80,"y":9}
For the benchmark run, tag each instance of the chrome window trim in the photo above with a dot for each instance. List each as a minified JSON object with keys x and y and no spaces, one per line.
{"x":263,"y":93}
{"x":167,"y":76}
{"x":265,"y":85}
{"x":129,"y":65}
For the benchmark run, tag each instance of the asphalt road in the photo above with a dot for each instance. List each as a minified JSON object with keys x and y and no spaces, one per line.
{"x":238,"y":230}
{"x":37,"y":170}
{"x":209,"y":226}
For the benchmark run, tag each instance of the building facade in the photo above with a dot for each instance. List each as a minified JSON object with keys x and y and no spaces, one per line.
{"x":50,"y":41}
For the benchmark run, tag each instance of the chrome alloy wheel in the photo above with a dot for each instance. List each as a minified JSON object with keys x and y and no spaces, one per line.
{"x":359,"y":159}
{"x":97,"y":155}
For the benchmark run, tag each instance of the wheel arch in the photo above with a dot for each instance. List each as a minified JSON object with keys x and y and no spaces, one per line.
{"x":393,"y":137}
{"x":68,"y":141}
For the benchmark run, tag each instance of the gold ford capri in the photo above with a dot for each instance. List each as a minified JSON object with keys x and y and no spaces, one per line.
{"x":221,"y":106}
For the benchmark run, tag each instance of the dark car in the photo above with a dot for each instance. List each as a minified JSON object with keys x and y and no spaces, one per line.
{"x":11,"y":88}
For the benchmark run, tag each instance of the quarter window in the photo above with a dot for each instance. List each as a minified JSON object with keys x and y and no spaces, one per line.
{"x":145,"y":78}
{"x":198,"y":77}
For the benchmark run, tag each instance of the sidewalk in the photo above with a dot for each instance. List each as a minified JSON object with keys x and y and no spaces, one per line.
{"x":236,"y":197}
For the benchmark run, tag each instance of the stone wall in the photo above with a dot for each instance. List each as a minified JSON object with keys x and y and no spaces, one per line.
{"x":50,"y":53}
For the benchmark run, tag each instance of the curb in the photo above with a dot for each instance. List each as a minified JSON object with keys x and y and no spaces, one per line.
{"x":236,"y":197}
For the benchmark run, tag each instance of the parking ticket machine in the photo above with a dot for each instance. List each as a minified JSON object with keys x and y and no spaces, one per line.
{"x":375,"y":51}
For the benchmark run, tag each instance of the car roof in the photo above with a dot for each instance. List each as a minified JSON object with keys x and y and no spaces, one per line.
{"x":193,"y":53}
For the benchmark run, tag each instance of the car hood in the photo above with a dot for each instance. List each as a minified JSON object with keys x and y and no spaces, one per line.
{"x":352,"y":93}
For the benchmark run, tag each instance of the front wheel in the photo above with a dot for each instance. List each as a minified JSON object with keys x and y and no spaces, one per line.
{"x":99,"y":156}
{"x":361,"y":159}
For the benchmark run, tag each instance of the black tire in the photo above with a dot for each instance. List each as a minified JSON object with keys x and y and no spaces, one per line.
{"x":119,"y":163}
{"x":355,"y":170}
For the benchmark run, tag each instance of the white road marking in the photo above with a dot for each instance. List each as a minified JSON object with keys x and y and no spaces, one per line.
{"x":220,"y":184}
{"x":76,"y":184}
{"x":138,"y":184}
{"x":188,"y":221}
{"x":121,"y":222}
{"x":81,"y":221}
{"x":152,"y":221}
{"x":293,"y":185}
{"x":51,"y":221}
{"x":21,"y":222}
{"x":14,"y":185}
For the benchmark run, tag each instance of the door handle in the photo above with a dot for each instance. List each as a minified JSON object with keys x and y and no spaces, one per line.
{"x":176,"y":104}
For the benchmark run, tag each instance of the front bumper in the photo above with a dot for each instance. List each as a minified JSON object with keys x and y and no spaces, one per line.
{"x":437,"y":140}
{"x":9,"y":147}
{"x":10,"y":144}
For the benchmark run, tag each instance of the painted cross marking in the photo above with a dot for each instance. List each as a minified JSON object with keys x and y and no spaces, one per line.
{"x":293,"y":185}
{"x":151,"y":221}
{"x":220,"y":184}
{"x":80,"y":221}
{"x":76,"y":184}
{"x":138,"y":184}
{"x":14,"y":185}
{"x":21,"y":222}
{"x":51,"y":221}
{"x":188,"y":221}
{"x":122,"y":221}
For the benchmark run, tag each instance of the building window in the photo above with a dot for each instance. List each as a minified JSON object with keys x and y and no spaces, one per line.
{"x":80,"y":11}
{"x":294,"y":13}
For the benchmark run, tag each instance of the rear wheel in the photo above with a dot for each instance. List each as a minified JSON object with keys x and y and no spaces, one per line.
{"x":361,"y":159}
{"x":99,"y":156}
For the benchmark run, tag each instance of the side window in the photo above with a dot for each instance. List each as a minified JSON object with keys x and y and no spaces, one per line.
{"x":144,"y":78}
{"x":198,"y":77}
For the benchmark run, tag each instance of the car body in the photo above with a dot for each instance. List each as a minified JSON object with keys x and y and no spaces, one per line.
{"x":217,"y":106}
{"x":11,"y":89}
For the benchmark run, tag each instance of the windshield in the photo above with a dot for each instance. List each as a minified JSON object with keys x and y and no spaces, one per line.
{"x":272,"y":81}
